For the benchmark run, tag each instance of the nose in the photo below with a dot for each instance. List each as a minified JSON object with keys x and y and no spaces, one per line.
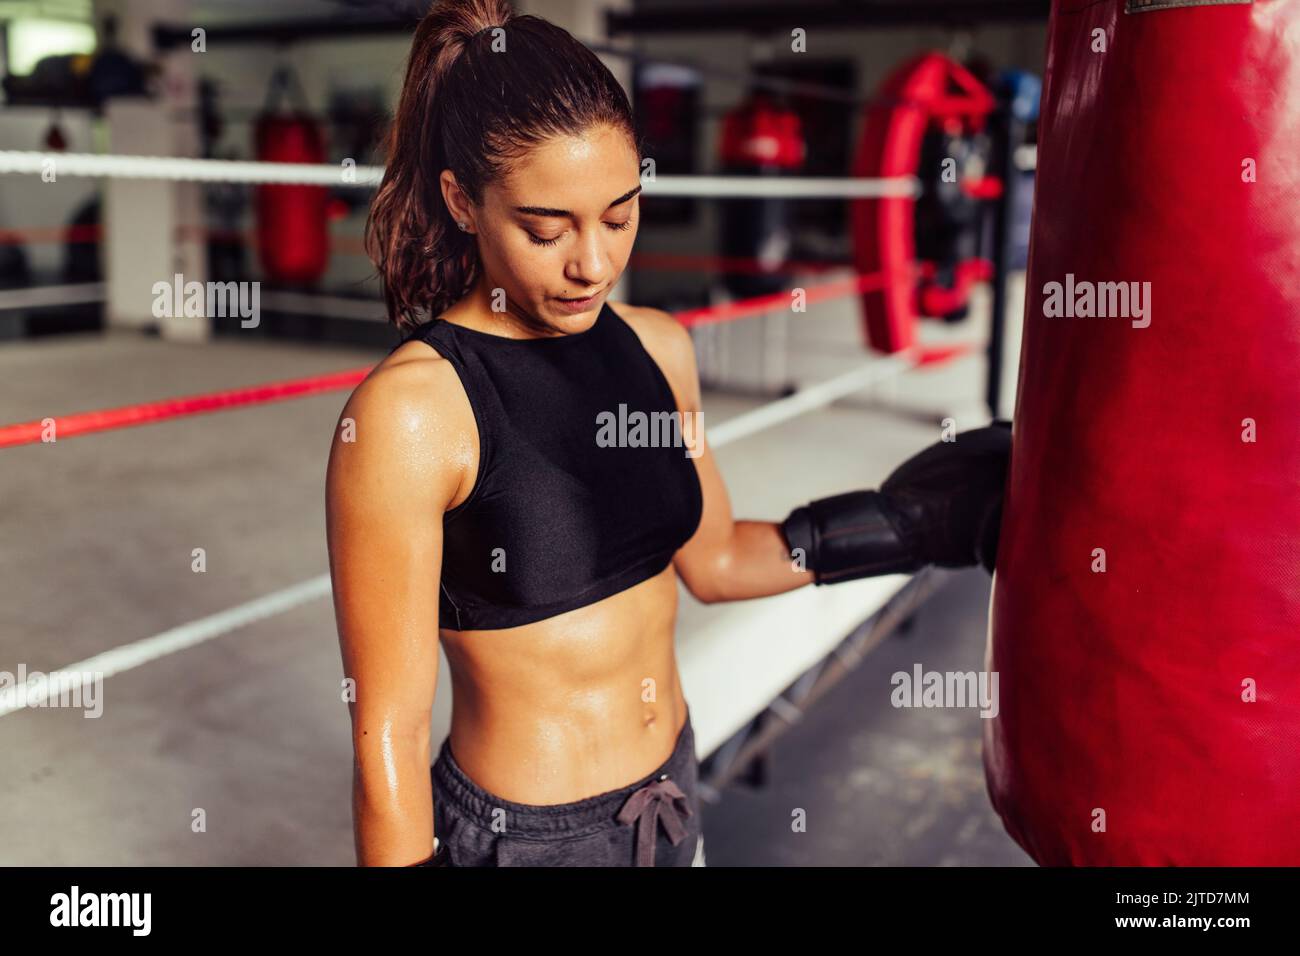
{"x":589,"y":267}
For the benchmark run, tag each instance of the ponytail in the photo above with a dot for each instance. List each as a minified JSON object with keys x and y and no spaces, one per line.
{"x":482,"y":87}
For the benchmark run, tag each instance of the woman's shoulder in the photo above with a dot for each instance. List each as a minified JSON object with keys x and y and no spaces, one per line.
{"x":647,"y":321}
{"x":414,"y":378}
{"x":410,"y":402}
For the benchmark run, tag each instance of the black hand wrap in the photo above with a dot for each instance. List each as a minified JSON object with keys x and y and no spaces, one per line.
{"x":942,"y":506}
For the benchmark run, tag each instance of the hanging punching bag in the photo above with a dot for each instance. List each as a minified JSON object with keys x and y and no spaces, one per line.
{"x":292,"y":226}
{"x":1145,"y":621}
{"x":760,"y":137}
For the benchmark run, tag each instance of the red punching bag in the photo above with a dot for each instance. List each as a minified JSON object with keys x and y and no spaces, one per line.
{"x":1145,"y":621}
{"x":760,"y":137}
{"x":292,"y":225}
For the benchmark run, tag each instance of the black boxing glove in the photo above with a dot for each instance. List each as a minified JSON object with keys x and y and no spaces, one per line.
{"x":942,"y":506}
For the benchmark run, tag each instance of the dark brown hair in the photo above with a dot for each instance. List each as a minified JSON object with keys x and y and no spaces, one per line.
{"x":474,"y":110}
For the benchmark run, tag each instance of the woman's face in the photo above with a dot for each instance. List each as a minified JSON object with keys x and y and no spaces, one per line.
{"x":560,"y":226}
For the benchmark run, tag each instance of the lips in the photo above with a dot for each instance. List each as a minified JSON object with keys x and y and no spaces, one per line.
{"x":574,"y":306}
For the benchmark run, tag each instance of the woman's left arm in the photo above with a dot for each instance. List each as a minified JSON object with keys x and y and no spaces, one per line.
{"x":942,"y":506}
{"x":726,"y":559}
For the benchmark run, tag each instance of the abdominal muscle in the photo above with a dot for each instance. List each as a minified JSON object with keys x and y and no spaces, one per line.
{"x":573,"y":706}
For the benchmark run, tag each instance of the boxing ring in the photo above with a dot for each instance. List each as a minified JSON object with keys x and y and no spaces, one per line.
{"x":748,"y":668}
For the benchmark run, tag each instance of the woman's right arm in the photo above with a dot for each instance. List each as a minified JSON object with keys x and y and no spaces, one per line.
{"x":396,"y":462}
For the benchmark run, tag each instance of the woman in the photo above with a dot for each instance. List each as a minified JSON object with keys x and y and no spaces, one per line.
{"x":508,"y":211}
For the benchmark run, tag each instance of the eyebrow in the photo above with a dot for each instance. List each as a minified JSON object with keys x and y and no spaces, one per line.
{"x":549,"y":212}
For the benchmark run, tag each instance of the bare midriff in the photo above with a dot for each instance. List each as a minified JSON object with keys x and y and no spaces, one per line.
{"x":573,"y":706}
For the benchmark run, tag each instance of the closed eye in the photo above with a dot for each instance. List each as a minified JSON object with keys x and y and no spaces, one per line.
{"x":538,"y":241}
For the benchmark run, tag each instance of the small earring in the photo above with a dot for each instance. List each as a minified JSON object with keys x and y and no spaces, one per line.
{"x":463,"y":227}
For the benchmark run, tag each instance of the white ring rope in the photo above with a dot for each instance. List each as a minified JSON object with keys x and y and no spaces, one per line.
{"x":809,"y":399}
{"x":127,"y":657}
{"x":43,"y":295}
{"x":792,"y":187}
{"x":178,"y":168}
{"x":367,"y":177}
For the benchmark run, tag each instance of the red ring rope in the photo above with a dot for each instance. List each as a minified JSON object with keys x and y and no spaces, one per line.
{"x":126,"y":416}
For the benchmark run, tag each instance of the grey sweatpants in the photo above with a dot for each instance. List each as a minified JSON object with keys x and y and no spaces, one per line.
{"x":654,"y":821}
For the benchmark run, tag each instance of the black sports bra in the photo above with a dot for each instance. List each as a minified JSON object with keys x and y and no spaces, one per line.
{"x":571,"y":503}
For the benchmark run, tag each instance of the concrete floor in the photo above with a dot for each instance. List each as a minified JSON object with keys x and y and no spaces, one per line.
{"x":99,"y":529}
{"x":879,"y":785}
{"x":248,"y":731}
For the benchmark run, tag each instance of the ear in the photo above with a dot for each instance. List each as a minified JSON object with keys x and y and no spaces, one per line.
{"x":458,"y":204}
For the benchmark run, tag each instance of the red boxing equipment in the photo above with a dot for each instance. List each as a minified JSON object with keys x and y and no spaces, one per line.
{"x":1145,"y":620}
{"x":762,"y":134}
{"x":292,"y":220}
{"x":926,"y":93}
{"x":760,"y":137}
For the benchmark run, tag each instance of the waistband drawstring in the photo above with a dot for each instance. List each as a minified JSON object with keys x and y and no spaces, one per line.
{"x":645,"y":806}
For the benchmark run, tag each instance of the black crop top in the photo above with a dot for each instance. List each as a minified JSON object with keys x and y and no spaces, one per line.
{"x":563,"y":512}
